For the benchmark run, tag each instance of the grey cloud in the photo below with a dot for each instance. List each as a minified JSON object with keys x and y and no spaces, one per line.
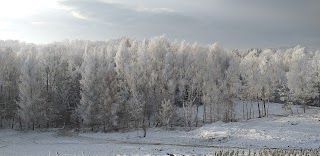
{"x":104,"y":11}
{"x":233,"y":23}
{"x":131,"y":21}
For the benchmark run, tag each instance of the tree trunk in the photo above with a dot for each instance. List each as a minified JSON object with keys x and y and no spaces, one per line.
{"x":259,"y":109}
{"x":65,"y":119}
{"x":47,"y":100}
{"x":149,"y":119}
{"x":0,"y":108}
{"x":20,"y":124}
{"x":268,"y":109}
{"x":12,"y":124}
{"x":185,"y":114}
{"x":243,"y":110}
{"x":247,"y":110}
{"x":197,"y":114}
{"x":318,"y":94}
{"x":251,"y":109}
{"x":250,"y":113}
{"x":156,"y":105}
{"x":211,"y":119}
{"x":144,"y":127}
{"x":144,"y":113}
{"x":264,"y":108}
{"x":204,"y":113}
{"x":125,"y":117}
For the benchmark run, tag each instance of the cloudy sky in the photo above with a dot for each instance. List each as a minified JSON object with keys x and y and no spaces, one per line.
{"x":232,"y":23}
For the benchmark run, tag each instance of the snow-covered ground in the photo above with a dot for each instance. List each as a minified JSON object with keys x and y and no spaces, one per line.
{"x":279,"y":130}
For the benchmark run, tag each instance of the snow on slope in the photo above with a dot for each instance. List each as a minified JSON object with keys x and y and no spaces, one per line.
{"x":280,"y":130}
{"x":294,"y":132}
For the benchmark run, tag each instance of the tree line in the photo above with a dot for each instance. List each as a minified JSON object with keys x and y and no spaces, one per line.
{"x":128,"y":83}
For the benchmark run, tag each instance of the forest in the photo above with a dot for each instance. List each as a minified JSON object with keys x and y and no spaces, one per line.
{"x":129,"y":83}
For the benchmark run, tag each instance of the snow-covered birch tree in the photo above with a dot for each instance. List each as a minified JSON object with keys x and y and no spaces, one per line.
{"x":30,"y":103}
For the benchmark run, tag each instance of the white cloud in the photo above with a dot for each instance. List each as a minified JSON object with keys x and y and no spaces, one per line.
{"x":78,"y":15}
{"x":37,"y":22}
{"x":22,"y":9}
{"x":140,"y":7}
{"x":156,"y":10}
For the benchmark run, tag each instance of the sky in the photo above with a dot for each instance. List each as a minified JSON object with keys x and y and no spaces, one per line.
{"x":231,"y":23}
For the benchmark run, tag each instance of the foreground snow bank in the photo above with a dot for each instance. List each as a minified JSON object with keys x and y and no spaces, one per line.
{"x":280,"y":130}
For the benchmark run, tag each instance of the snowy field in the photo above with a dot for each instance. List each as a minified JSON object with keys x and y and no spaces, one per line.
{"x":280,"y":130}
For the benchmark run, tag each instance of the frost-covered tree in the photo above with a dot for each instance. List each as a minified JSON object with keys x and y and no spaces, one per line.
{"x":299,"y":77}
{"x":184,"y":84}
{"x":143,"y":80}
{"x":315,"y":65}
{"x":251,"y":74}
{"x":199,"y":54}
{"x":273,"y":74}
{"x":91,"y":89}
{"x":133,"y":77}
{"x":9,"y":76}
{"x":158,"y":47}
{"x":108,"y":108}
{"x":128,"y":83}
{"x":31,"y":108}
{"x":122,"y":58}
{"x":167,"y":111}
{"x":54,"y":69}
{"x":233,"y":84}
